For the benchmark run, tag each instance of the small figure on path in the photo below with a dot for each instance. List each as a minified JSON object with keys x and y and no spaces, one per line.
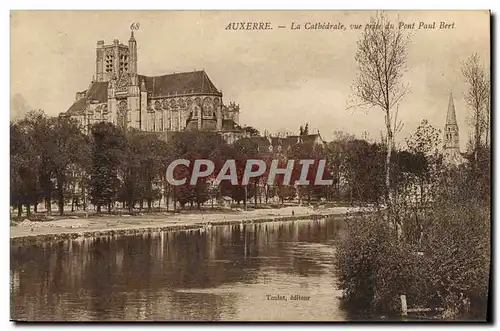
{"x":293,"y":212}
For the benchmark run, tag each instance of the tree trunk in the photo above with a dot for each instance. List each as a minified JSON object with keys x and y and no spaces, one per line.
{"x":130,"y":205}
{"x":149,"y":205}
{"x":255,"y":194}
{"x":61,"y":205}
{"x":19,"y":209}
{"x":477,"y":137}
{"x":48,"y":206}
{"x":245,"y":200}
{"x":60,"y":193}
{"x":28,"y":210}
{"x":98,"y":206}
{"x":175,"y":200}
{"x":167,"y":197}
{"x":388,"y":161}
{"x":35,"y":207}
{"x":266,"y":193}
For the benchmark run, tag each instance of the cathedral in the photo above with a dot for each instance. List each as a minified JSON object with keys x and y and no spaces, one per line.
{"x":167,"y":103}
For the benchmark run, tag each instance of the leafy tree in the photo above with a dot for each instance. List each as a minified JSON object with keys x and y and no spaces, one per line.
{"x":192,"y":146}
{"x":364,"y":170}
{"x":24,"y":184}
{"x":70,"y":148}
{"x":107,"y":146}
{"x":252,"y":132}
{"x":37,"y":128}
{"x":245,"y":149}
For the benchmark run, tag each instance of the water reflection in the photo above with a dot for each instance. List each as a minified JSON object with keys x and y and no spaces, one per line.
{"x":218,"y":273}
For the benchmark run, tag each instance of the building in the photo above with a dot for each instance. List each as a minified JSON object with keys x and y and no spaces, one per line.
{"x":451,"y":146}
{"x":172,"y":102}
{"x":279,"y":145}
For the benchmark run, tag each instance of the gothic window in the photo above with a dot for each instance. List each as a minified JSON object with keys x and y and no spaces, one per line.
{"x":189,"y":102}
{"x":160,"y":122}
{"x":122,"y":114}
{"x":197,"y":102}
{"x":176,"y":123}
{"x":216,"y":103}
{"x":152,"y":126}
{"x":181,"y":103}
{"x":157,"y":105}
{"x":173,"y":104}
{"x":207,"y":107}
{"x":165,"y":104}
{"x":109,"y":62}
{"x":123,"y":83}
{"x":123,"y":63}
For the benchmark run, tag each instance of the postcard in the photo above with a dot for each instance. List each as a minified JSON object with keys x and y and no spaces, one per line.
{"x":293,"y":166}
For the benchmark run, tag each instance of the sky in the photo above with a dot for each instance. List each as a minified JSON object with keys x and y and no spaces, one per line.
{"x":281,"y":78}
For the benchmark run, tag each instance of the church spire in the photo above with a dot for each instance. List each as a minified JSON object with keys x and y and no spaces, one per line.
{"x":451,"y":118}
{"x":132,"y":48}
{"x":451,"y":135}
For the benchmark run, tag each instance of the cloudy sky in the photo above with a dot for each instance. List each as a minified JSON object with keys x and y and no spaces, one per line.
{"x":281,"y":78}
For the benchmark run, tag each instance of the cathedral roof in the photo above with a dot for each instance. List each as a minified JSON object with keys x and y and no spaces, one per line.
{"x":98,"y":91}
{"x":195,"y":82}
{"x":78,"y":107}
{"x":451,"y":118}
{"x":230,"y":125}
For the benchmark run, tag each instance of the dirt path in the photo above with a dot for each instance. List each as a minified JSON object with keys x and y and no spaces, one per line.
{"x":33,"y":232}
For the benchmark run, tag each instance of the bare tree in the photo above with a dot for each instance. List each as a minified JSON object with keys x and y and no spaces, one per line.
{"x":487,"y":126}
{"x":381,"y":58}
{"x":476,"y":98}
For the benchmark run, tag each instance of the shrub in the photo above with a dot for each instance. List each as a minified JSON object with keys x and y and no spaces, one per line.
{"x":372,"y":266}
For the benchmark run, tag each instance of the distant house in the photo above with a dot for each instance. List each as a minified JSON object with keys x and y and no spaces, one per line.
{"x":264,"y":144}
{"x":279,"y":145}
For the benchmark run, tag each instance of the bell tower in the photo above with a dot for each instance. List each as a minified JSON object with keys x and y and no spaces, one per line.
{"x":451,"y":135}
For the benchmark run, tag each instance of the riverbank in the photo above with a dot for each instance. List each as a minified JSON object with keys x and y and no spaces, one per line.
{"x":28,"y":233}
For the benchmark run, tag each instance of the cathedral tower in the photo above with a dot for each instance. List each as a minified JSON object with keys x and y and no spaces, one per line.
{"x":115,"y":59}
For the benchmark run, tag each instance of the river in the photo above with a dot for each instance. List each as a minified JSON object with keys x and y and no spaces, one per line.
{"x":222,"y":273}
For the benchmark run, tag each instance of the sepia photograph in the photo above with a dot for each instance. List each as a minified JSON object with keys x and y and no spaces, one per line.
{"x":250,"y":166}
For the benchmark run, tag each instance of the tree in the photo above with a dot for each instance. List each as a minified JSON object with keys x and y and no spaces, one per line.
{"x":24,"y":180}
{"x":192,"y":146}
{"x":70,"y":148}
{"x":245,"y":149}
{"x":363,"y":171}
{"x":476,"y":98}
{"x":252,"y":132}
{"x":304,"y":130}
{"x":108,"y":144}
{"x":36,"y":126}
{"x":130,"y":170}
{"x":381,"y":59}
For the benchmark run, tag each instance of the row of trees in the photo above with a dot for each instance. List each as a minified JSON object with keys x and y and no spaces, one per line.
{"x":51,"y":160}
